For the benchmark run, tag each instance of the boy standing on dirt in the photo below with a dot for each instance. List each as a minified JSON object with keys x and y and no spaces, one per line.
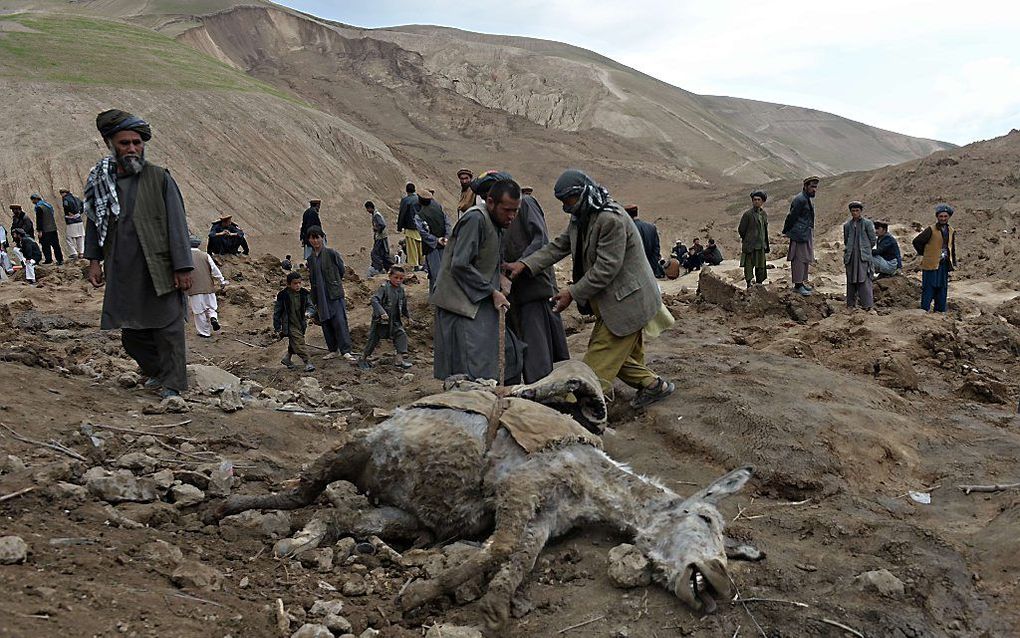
{"x":290,"y":319}
{"x":389,"y":305}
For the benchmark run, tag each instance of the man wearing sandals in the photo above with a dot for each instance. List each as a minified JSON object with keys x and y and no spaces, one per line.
{"x":611,"y":279}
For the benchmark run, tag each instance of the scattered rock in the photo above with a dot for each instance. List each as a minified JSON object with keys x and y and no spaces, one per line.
{"x":65,"y":490}
{"x":156,"y":514}
{"x":341,"y":399}
{"x":221,"y":480}
{"x":185,"y":495}
{"x":628,"y":567}
{"x":310,"y":391}
{"x":210,"y":379}
{"x":169,"y":405}
{"x":196,"y":575}
{"x":881,"y":581}
{"x":337,"y":624}
{"x":984,"y":390}
{"x":379,"y":414}
{"x":408,"y":377}
{"x":322,"y":608}
{"x":452,"y":631}
{"x":13,"y":550}
{"x":136,"y":461}
{"x":10,"y":464}
{"x":119,"y":487}
{"x":309,"y":630}
{"x":894,"y":370}
{"x":355,"y":585}
{"x":230,"y":399}
{"x":369,"y":633}
{"x":343,"y":549}
{"x":280,"y":396}
{"x":128,"y":380}
{"x":250,"y":388}
{"x":164,"y":479}
{"x":320,"y":559}
{"x":162,"y":553}
{"x":269,"y":525}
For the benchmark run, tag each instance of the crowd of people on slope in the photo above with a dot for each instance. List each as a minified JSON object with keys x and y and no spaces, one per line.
{"x":491,"y":282}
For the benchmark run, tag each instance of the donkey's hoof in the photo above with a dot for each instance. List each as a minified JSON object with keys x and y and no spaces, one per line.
{"x":418,"y":593}
{"x":496,"y":613}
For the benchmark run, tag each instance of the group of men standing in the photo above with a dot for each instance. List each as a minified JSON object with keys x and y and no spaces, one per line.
{"x":40,"y":242}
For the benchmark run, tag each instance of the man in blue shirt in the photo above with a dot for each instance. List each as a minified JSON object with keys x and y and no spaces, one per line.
{"x":886,"y":255}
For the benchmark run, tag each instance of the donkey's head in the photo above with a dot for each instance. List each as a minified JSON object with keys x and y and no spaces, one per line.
{"x":684,"y":543}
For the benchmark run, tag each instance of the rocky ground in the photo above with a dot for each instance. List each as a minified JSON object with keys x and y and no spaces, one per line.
{"x":861,"y":427}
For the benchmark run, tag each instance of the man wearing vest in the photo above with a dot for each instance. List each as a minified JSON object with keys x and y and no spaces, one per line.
{"x":136,"y":241}
{"x":937,"y":247}
{"x":46,"y":225}
{"x":470,"y":291}
{"x":202,"y":294}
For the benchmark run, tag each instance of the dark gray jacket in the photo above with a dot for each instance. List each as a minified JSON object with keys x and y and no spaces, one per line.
{"x":801,"y":220}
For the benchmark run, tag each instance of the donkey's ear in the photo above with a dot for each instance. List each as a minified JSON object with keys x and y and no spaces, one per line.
{"x":724,"y":486}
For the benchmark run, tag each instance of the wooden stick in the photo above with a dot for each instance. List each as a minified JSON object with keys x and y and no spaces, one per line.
{"x":502,"y":346}
{"x":736,"y":632}
{"x":7,"y":497}
{"x":770,"y":600}
{"x":282,"y":622}
{"x":850,"y":630}
{"x":580,"y":624}
{"x":171,"y":425}
{"x":314,"y":410}
{"x":134,"y":431}
{"x":53,"y":446}
{"x":183,"y":453}
{"x":998,"y":487}
{"x":197,"y":599}
{"x":250,"y":345}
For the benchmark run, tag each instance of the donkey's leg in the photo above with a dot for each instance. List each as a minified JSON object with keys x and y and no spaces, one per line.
{"x":328,"y":526}
{"x":343,"y":462}
{"x":737,"y":550}
{"x":496,"y":603}
{"x":515,"y":511}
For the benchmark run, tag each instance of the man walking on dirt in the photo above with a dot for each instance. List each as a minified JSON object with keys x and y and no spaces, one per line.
{"x":136,"y":241}
{"x":799,"y":227}
{"x":612,"y":280}
{"x":381,"y":261}
{"x":46,"y":225}
{"x":937,"y":247}
{"x":470,"y":293}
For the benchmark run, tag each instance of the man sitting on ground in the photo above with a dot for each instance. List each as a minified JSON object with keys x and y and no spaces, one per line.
{"x":695,"y":257}
{"x":886,"y":256}
{"x":226,"y":237}
{"x":712,"y":255}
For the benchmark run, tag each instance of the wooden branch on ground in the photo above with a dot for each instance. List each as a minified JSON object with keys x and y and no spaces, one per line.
{"x":171,"y":425}
{"x":250,"y":345}
{"x":580,"y":624}
{"x":183,"y":453}
{"x":849,"y":630}
{"x":770,"y":600}
{"x":52,"y":446}
{"x":997,"y":487}
{"x":168,"y":435}
{"x":314,"y":410}
{"x":7,"y":497}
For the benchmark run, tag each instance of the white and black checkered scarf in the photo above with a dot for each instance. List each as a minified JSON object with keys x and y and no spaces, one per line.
{"x":100,"y":201}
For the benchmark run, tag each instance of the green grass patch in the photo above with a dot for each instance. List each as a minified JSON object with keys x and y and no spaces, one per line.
{"x":83,"y":50}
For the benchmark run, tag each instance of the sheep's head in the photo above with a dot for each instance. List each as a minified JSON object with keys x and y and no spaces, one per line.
{"x":685,"y":544}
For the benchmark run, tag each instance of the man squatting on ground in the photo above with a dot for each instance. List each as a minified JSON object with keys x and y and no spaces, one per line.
{"x":291,"y":311}
{"x":136,"y":241}
{"x":326,"y":273}
{"x":937,"y":247}
{"x":611,"y":279}
{"x":754,"y":239}
{"x":799,"y":227}
{"x":389,"y":308}
{"x":886,"y":256}
{"x":202,"y":295}
{"x":858,"y":239}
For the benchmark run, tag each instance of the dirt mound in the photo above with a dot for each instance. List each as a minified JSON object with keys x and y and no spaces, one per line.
{"x":761,"y":301}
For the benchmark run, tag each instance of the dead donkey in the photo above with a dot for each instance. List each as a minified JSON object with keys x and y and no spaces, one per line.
{"x":447,"y":473}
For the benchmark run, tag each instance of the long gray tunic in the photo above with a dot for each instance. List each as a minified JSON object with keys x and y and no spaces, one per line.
{"x":130,"y":300}
{"x":857,"y":271}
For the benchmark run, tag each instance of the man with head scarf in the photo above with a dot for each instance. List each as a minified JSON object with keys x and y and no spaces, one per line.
{"x":226,"y":237}
{"x":649,"y":240}
{"x":46,"y":225}
{"x":74,"y":224}
{"x":467,"y":196}
{"x":136,"y":240}
{"x":611,"y":279}
{"x":799,"y":227}
{"x":531,"y":317}
{"x":380,"y":255}
{"x":937,"y":247}
{"x":326,"y":275}
{"x":858,"y":239}
{"x":471,"y":292}
{"x":886,"y":256}
{"x":434,"y":229}
{"x":405,"y":224}
{"x":310,"y":219}
{"x":20,"y":220}
{"x":202,"y":294}
{"x":754,"y":239}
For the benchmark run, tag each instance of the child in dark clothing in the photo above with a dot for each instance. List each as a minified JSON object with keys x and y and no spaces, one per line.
{"x":389,"y":305}
{"x":290,"y":319}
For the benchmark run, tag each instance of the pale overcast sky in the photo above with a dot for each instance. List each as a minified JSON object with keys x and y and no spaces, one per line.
{"x":931,"y":68}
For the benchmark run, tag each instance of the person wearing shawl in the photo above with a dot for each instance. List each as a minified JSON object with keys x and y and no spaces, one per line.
{"x":471,"y":291}
{"x":937,"y":247}
{"x":467,"y":196}
{"x":611,"y":279}
{"x":531,"y":317}
{"x":137,"y":243}
{"x":754,"y":239}
{"x":799,"y":226}
{"x":858,"y":239}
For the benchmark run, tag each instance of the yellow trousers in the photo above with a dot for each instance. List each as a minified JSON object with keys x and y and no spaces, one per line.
{"x":611,"y":356}
{"x":413,"y":247}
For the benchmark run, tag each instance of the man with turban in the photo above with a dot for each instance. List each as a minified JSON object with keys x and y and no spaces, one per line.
{"x":46,"y":225}
{"x":799,"y":227}
{"x":136,"y":240}
{"x":405,"y":224}
{"x":380,"y":255}
{"x":531,"y":317}
{"x":467,"y":196}
{"x":937,"y":247}
{"x":754,"y":239}
{"x":611,"y":279}
{"x":310,"y":219}
{"x":471,"y":291}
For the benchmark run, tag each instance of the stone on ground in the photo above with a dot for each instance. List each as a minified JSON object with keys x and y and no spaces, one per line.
{"x":230,"y":399}
{"x":308,"y":630}
{"x":452,"y":631}
{"x":210,"y":379}
{"x":628,"y":567}
{"x":185,"y":495}
{"x":13,"y":550}
{"x":881,"y":581}
{"x":120,"y":487}
{"x":193,"y":574}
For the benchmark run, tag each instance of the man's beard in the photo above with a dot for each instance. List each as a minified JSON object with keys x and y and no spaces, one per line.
{"x":131,"y":164}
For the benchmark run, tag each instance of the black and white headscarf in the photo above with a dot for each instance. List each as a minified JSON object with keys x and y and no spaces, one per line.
{"x":100,"y":200}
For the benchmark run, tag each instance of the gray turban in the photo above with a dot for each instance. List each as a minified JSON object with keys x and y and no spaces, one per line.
{"x":114,"y":121}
